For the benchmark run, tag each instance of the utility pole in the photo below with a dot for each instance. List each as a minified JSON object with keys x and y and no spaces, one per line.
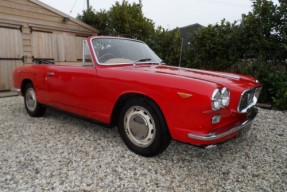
{"x":180,"y":54}
{"x":88,"y":4}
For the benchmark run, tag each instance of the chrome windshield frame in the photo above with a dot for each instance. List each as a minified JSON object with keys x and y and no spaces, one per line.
{"x":115,"y":64}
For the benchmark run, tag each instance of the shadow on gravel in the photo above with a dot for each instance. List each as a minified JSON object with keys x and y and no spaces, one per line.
{"x":91,"y":131}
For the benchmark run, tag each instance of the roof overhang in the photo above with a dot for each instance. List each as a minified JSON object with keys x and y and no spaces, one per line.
{"x":64,"y":15}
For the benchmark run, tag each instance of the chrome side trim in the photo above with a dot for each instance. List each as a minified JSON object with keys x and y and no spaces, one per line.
{"x":18,"y":91}
{"x":213,"y":136}
{"x":218,"y":74}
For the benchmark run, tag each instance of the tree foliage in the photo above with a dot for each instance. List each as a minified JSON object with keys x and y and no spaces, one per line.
{"x":166,"y":44}
{"x":255,"y":46}
{"x":215,"y":46}
{"x":127,"y":20}
{"x":261,"y":31}
{"x":123,"y":19}
{"x":261,"y":34}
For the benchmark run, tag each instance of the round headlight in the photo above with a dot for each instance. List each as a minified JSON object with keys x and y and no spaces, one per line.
{"x":225,"y":95}
{"x":216,"y":100}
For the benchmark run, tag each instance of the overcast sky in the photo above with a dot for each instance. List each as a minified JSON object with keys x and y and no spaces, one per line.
{"x":169,"y":14}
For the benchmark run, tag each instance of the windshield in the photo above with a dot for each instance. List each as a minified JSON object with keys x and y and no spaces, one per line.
{"x":110,"y":51}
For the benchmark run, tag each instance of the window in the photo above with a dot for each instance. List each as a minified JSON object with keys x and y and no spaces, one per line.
{"x":87,"y":59}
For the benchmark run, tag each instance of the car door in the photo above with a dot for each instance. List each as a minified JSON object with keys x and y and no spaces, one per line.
{"x":72,"y":88}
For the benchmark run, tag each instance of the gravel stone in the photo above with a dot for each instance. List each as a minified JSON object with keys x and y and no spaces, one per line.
{"x":58,"y":152}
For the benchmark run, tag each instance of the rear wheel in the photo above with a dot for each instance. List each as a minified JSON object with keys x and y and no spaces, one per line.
{"x":143,"y":128}
{"x":33,"y":108}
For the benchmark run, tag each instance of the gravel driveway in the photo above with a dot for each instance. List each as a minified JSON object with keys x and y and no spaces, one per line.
{"x":63,"y":153}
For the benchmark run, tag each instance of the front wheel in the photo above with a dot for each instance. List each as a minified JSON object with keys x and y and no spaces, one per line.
{"x":143,"y":128}
{"x":33,"y":108}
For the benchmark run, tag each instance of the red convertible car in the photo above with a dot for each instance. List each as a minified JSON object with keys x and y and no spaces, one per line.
{"x":122,"y":82}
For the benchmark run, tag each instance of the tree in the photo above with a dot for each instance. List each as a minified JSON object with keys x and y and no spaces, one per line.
{"x":166,"y":44}
{"x":257,"y":44}
{"x":215,"y":46}
{"x":260,"y":32}
{"x":127,"y":20}
{"x":98,"y":20}
{"x":263,"y":32}
{"x":123,"y":19}
{"x":281,"y":27}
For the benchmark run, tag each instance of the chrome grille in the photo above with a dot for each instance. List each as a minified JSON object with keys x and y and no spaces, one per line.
{"x":248,"y":99}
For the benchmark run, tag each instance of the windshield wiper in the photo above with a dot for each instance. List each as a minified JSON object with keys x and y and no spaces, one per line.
{"x":161,"y":62}
{"x":148,"y":59}
{"x":142,"y":60}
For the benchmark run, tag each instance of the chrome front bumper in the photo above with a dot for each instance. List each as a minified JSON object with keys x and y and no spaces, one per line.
{"x":213,"y":136}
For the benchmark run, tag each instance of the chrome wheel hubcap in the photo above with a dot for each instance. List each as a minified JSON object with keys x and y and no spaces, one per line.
{"x":139,"y":126}
{"x":31,"y":101}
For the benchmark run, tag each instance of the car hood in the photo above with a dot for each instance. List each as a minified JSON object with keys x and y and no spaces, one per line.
{"x":222,"y":78}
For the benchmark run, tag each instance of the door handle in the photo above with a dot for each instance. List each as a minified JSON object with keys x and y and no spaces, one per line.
{"x":50,"y":74}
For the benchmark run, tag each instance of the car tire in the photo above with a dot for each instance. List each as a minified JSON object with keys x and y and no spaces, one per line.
{"x":33,"y":108}
{"x":143,"y":127}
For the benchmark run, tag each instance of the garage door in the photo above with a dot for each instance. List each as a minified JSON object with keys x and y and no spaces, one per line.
{"x":10,"y":56}
{"x":62,"y":47}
